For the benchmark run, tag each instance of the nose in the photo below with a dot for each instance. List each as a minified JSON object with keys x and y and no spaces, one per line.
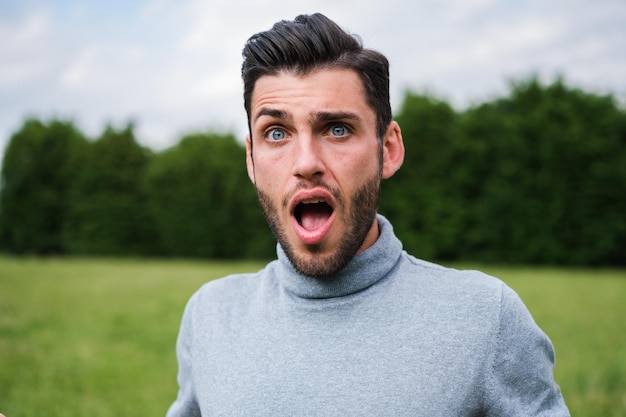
{"x":308,"y":161}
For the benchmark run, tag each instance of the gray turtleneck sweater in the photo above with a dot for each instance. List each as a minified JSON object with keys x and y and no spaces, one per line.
{"x":391,"y":335}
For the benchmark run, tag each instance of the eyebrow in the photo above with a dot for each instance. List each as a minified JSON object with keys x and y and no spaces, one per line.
{"x":276,"y":114}
{"x":331,"y":116}
{"x":315,"y":118}
{"x":319,"y":117}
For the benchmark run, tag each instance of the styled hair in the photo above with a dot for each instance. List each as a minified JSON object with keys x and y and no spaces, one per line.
{"x":313,"y":42}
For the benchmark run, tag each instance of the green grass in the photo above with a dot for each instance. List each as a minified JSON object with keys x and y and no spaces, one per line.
{"x":93,"y":337}
{"x":84,"y":337}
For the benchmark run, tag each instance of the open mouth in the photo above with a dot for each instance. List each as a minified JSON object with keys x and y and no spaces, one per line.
{"x":313,"y":214}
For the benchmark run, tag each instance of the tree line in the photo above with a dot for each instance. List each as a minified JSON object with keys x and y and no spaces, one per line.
{"x":537,"y":176}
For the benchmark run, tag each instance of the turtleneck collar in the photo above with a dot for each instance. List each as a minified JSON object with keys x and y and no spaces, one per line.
{"x":363,"y":271}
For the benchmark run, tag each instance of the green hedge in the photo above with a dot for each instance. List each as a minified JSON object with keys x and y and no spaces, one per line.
{"x":538,"y":176}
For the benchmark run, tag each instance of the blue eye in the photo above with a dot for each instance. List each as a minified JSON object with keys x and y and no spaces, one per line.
{"x":338,"y":130}
{"x":277,"y":134}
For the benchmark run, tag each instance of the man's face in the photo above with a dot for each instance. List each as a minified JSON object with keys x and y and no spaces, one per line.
{"x":317,"y":165}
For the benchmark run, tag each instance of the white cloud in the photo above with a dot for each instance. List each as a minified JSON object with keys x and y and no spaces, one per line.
{"x":77,"y":74}
{"x":24,"y":33}
{"x":173,"y":65}
{"x":23,"y":51}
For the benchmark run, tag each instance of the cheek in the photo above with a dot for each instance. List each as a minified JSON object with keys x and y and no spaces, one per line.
{"x":360,"y":165}
{"x":250,"y":168}
{"x":269,"y":173}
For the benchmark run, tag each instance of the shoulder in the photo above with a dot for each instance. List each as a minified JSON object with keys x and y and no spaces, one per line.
{"x":231,"y":291}
{"x":468,"y":295}
{"x":229,"y":288}
{"x":450,"y":282}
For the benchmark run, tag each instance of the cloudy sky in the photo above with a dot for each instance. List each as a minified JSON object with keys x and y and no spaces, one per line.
{"x":172,"y":66}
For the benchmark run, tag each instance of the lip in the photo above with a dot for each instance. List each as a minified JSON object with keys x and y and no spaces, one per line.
{"x":312,"y":237}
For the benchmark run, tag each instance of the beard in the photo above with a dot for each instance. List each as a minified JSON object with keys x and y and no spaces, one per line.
{"x":359,"y":220}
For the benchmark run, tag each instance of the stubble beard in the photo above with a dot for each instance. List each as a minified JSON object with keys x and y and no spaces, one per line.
{"x":359,"y":220}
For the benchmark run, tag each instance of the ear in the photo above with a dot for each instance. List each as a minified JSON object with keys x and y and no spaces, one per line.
{"x":393,"y":150}
{"x":249,"y":159}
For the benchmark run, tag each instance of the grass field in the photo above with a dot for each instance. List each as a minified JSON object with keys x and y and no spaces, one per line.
{"x":96,"y":337}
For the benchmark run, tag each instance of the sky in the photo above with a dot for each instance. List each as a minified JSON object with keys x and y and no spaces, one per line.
{"x":172,"y":67}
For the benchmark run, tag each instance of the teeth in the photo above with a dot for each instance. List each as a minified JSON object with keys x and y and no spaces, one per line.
{"x":313,"y":201}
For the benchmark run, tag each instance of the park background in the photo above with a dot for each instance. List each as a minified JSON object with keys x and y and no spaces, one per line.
{"x":124,"y":186}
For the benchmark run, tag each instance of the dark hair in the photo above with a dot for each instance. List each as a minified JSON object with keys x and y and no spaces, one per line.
{"x":312,"y":42}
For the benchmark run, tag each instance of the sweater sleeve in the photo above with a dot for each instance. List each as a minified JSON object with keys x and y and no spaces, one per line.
{"x":185,"y":404}
{"x":520,"y":381}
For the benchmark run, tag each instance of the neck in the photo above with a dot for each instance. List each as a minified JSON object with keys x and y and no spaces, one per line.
{"x":368,"y":267}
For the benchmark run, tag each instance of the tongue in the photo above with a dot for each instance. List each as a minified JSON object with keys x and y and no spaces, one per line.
{"x":314,"y":216}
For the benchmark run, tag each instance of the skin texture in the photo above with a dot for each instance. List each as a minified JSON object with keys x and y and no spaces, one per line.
{"x":313,"y":140}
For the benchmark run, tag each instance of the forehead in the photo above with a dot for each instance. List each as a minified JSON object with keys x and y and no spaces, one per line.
{"x":324,"y":89}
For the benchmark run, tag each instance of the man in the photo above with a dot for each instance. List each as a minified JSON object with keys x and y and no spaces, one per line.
{"x":344,"y":322}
